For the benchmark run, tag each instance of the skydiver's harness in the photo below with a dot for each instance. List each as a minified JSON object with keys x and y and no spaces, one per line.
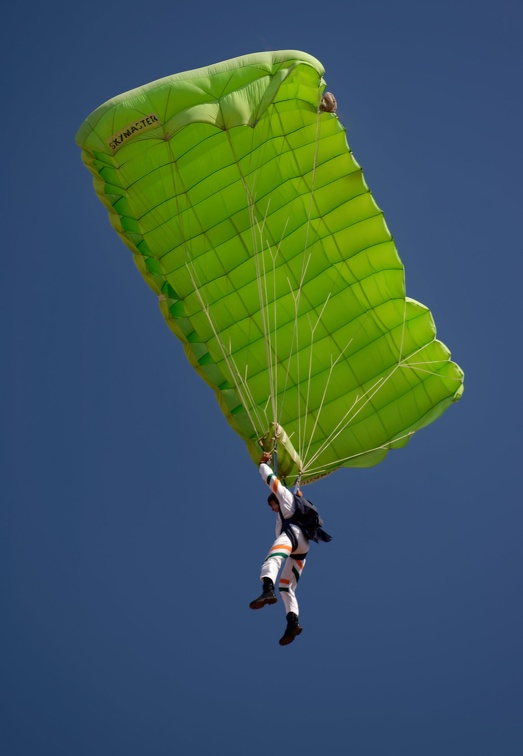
{"x":307,"y":518}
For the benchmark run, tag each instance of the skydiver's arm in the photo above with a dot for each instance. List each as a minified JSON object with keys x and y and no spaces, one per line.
{"x":285,"y":497}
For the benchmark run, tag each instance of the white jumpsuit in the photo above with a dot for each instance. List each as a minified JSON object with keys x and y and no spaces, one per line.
{"x":281,"y":551}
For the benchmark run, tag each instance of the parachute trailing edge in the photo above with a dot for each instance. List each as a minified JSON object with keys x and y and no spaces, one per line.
{"x":247,"y":214}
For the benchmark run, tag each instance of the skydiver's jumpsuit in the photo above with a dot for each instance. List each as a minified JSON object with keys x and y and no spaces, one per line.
{"x":281,"y":551}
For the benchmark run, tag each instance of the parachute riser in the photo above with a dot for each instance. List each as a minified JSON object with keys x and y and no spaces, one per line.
{"x":286,"y":461}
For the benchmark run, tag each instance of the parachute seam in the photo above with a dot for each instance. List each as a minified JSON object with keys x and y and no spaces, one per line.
{"x":244,"y":263}
{"x":388,"y":370}
{"x":379,"y":383}
{"x":297,"y":229}
{"x":228,"y":356}
{"x":362,"y":315}
{"x":156,"y":143}
{"x":299,"y":178}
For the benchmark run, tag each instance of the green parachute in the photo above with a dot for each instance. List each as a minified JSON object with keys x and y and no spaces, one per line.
{"x":247,"y":214}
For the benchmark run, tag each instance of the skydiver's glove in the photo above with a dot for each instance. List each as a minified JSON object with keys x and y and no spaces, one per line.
{"x":321,"y":535}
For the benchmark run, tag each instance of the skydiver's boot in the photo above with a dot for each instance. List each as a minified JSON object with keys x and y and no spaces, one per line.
{"x":267,"y":597}
{"x":292,"y":630}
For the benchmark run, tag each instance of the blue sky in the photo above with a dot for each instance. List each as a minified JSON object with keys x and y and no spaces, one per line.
{"x":133,"y":531}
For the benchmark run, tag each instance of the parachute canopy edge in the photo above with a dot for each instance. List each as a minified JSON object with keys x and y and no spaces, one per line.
{"x":203,"y":88}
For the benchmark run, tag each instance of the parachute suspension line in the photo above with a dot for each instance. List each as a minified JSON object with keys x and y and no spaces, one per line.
{"x":313,"y":179}
{"x":380,"y":382}
{"x":272,"y":341}
{"x":258,"y":247}
{"x":347,"y":419}
{"x":273,"y":364}
{"x":297,"y":297}
{"x":313,"y":331}
{"x":270,"y":336}
{"x":240,"y":383}
{"x":295,"y":341}
{"x":365,"y":399}
{"x":403,"y":325}
{"x":401,"y":360}
{"x":333,"y":435}
{"x":344,"y":422}
{"x":413,"y":365}
{"x":275,"y":456}
{"x":275,"y":324}
{"x":291,"y":348}
{"x":270,"y":330}
{"x":386,"y":446}
{"x":305,"y":264}
{"x":261,"y":280}
{"x":320,"y":408}
{"x":296,"y":485}
{"x":257,"y":233}
{"x":368,"y":396}
{"x":416,"y":366}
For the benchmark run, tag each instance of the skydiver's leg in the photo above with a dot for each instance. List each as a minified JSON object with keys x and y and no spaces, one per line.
{"x":291,"y":573}
{"x":290,"y":576}
{"x":278,"y":553}
{"x":288,"y":583}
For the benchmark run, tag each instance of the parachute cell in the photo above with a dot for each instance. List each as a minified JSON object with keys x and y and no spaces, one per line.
{"x":236,"y":191}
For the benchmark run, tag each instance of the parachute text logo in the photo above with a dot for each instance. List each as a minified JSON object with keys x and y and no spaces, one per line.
{"x":132,"y":129}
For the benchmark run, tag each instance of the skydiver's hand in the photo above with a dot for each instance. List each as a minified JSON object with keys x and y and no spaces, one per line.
{"x":265,"y":458}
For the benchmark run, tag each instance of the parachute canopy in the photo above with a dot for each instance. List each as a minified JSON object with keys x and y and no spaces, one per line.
{"x":248,"y":216}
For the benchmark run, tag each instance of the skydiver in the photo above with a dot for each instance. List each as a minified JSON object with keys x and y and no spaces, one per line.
{"x":292,"y":540}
